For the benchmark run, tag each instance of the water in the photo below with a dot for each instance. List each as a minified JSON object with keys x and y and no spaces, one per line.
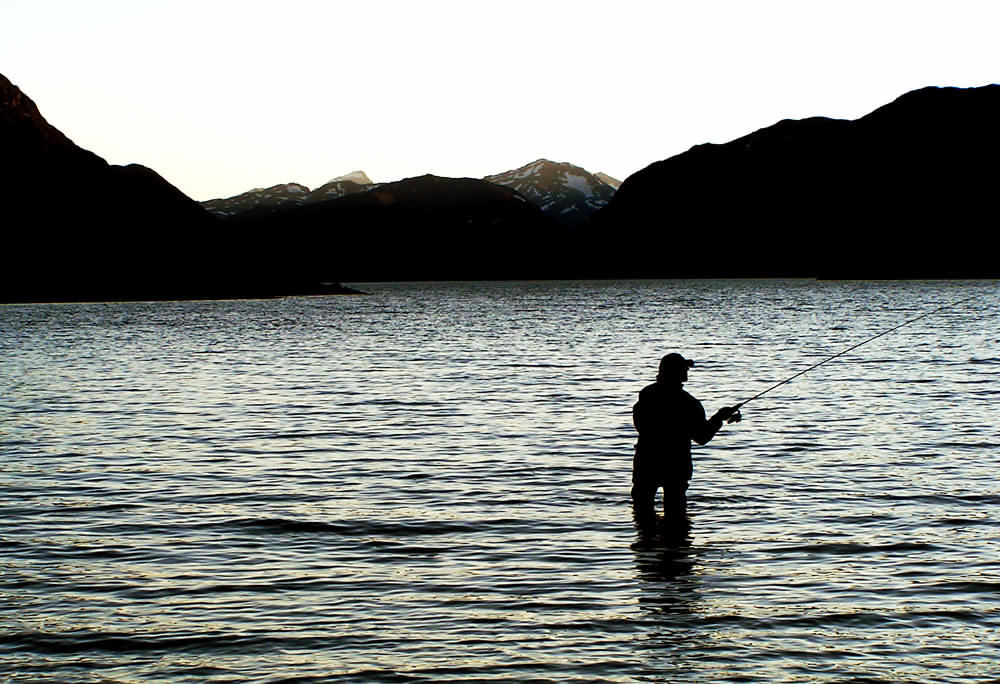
{"x":431,"y":483}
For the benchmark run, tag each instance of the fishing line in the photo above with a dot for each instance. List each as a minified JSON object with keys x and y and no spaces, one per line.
{"x":852,"y":348}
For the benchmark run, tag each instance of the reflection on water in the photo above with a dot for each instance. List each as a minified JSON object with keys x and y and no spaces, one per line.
{"x":665,"y":559}
{"x":669,"y":595}
{"x":432,"y":483}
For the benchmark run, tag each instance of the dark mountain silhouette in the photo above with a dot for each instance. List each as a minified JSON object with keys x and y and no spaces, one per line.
{"x":906,"y":191}
{"x":428,"y":227}
{"x":79,"y":228}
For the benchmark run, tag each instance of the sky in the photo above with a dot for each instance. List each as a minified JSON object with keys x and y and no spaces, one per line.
{"x":221,"y":96}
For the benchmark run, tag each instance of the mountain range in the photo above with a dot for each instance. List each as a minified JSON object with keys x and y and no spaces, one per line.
{"x":567,"y":194}
{"x":905,"y":191}
{"x":286,"y":195}
{"x":423,"y":228}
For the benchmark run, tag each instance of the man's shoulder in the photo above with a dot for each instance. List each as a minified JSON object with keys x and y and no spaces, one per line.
{"x":651,"y":392}
{"x":660,"y":393}
{"x":692,"y":404}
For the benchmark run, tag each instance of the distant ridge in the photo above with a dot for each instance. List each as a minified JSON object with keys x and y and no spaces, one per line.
{"x":287,"y":195}
{"x":265,"y":199}
{"x":358,"y":177}
{"x":423,"y":228}
{"x":566,"y":193}
{"x":907,"y":191}
{"x":613,"y":182}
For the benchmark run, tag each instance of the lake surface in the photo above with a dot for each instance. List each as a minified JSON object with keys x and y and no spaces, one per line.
{"x":432,"y":483}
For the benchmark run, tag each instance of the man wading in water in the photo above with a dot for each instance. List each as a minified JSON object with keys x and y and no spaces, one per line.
{"x":667,"y":419}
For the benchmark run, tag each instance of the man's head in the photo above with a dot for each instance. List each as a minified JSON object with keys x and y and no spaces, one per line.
{"x":674,"y":368}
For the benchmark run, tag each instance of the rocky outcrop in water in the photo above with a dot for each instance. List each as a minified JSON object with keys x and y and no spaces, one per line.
{"x":906,"y":191}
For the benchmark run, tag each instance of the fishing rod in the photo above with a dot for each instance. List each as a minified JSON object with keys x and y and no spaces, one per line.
{"x":852,"y":348}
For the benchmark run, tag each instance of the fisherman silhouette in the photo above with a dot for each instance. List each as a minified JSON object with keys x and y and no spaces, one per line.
{"x":668,"y":419}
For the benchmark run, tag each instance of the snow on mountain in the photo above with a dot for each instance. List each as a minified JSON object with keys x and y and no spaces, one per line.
{"x":274,"y":197}
{"x":564,"y":191}
{"x":288,"y":195}
{"x":356,"y":181}
{"x":613,"y":182}
{"x":359,"y":177}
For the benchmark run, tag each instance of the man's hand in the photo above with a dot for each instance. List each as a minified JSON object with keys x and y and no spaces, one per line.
{"x":729,"y":414}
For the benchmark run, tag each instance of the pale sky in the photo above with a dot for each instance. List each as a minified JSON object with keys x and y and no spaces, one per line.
{"x":221,"y":96}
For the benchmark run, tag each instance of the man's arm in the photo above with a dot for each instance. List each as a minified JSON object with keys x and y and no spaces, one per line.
{"x":705,"y":429}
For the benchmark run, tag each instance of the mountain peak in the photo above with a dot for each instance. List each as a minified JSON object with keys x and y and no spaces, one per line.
{"x":613,"y":182}
{"x":265,"y":199}
{"x":291,"y":188}
{"x":562,"y":190}
{"x":359,"y":177}
{"x":285,"y":195}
